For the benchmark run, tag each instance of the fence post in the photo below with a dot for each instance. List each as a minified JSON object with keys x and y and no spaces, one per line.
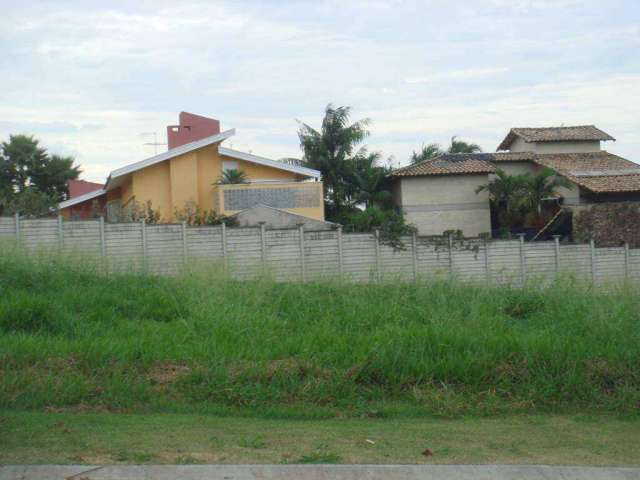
{"x":626,"y":260}
{"x":303,"y":274}
{"x":414,"y":252}
{"x":592,"y":251}
{"x":487,"y":270}
{"x":60,"y":233}
{"x":223,"y":241}
{"x":16,"y":218}
{"x":103,"y":246}
{"x":143,"y":231}
{"x":523,"y":270}
{"x":263,"y":245}
{"x":556,"y":249}
{"x":183,"y":231}
{"x":340,"y":258}
{"x":450,"y":247}
{"x":377,"y":237}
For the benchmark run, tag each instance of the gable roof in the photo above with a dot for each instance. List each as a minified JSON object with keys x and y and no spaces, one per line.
{"x":599,"y":172}
{"x":449,"y":164}
{"x":249,"y":157}
{"x":82,"y":198}
{"x":555,"y":134}
{"x":174,"y":152}
{"x":115,"y":175}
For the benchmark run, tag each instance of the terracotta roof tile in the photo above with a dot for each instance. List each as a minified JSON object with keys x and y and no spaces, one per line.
{"x":600,"y":172}
{"x":555,"y":134}
{"x":449,"y":164}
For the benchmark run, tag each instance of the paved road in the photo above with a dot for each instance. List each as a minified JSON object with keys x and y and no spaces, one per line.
{"x":314,"y":472}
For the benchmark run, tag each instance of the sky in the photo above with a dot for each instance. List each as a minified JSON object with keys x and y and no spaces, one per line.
{"x":96,"y":80}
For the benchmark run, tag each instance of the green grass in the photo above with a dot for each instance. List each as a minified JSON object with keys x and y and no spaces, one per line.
{"x":106,"y":438}
{"x":72,"y":339}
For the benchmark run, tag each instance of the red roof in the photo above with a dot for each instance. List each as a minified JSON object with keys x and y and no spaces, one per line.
{"x":80,"y":187}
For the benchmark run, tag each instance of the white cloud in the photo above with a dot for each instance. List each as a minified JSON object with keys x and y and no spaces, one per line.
{"x":467,"y":74}
{"x":423,"y":71}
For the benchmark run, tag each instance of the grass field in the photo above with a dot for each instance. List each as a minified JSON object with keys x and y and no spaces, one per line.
{"x":73,"y":339}
{"x":105,"y":438}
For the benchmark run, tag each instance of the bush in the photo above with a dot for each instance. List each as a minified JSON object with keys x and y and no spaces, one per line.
{"x":390,"y":224}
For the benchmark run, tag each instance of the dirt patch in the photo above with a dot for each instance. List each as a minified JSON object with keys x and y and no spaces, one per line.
{"x":605,"y":376}
{"x":287,"y":367}
{"x":166,"y":373}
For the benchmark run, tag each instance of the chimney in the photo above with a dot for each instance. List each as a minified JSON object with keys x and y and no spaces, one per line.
{"x":191,"y":128}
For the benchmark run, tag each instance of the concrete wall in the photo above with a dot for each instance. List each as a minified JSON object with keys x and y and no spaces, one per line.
{"x":435,"y":204}
{"x":276,"y":218}
{"x":519,"y":145}
{"x":286,"y":255}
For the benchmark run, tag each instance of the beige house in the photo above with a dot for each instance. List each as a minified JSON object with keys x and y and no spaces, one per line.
{"x":439,"y":194}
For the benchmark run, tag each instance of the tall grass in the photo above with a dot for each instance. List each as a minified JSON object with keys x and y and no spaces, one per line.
{"x":73,"y":337}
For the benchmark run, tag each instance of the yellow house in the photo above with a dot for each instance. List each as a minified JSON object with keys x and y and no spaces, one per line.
{"x":190,"y":174}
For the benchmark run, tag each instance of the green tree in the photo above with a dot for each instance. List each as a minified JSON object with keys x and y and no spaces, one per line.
{"x":26,"y":167}
{"x":332,"y":151}
{"x":369,"y":179}
{"x":432,"y":150}
{"x":51,"y":177}
{"x":506,"y":194}
{"x":427,"y":152}
{"x":541,"y":186}
{"x":29,"y":202}
{"x":460,"y":146}
{"x":233,"y":177}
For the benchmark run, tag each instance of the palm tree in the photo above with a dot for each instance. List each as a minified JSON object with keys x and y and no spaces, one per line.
{"x":460,"y":146}
{"x":332,"y":151}
{"x":541,"y":186}
{"x":426,"y":153}
{"x":232,"y":177}
{"x":506,"y":193}
{"x":369,"y":180}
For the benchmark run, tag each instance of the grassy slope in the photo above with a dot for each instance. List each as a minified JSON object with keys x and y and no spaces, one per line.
{"x":91,"y":438}
{"x":70,"y":338}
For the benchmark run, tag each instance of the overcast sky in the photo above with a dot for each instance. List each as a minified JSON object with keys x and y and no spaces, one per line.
{"x":90,"y":78}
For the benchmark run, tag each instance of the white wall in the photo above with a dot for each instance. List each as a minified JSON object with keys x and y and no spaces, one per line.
{"x":435,"y":204}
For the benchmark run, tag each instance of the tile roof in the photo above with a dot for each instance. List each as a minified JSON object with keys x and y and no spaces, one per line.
{"x":555,"y":134}
{"x":599,"y":172}
{"x":449,"y":164}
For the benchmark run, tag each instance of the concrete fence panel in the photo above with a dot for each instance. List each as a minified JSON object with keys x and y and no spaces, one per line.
{"x":303,"y":255}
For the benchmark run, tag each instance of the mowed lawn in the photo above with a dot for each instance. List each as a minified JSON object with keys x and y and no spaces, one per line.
{"x":102,"y":438}
{"x":199,"y":368}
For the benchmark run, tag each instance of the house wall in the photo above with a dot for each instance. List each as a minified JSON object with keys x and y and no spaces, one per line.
{"x":310,"y":195}
{"x":153,"y":184}
{"x":435,"y":204}
{"x":519,"y":145}
{"x":191,"y":177}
